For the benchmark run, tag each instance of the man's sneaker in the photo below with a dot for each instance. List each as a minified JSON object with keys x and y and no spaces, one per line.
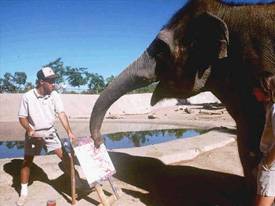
{"x":22,"y":200}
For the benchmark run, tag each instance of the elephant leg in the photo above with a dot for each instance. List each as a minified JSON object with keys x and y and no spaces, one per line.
{"x":248,"y":158}
{"x":248,"y":147}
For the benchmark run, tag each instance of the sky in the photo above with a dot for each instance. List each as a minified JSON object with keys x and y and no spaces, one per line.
{"x":104,"y":36}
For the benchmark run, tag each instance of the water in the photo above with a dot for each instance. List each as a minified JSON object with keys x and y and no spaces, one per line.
{"x":143,"y":138}
{"x":11,"y":149}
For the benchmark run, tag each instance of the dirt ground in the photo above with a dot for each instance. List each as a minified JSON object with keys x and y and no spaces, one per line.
{"x":212,"y":178}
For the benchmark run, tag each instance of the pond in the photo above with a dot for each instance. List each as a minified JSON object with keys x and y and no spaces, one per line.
{"x":143,"y":138}
{"x":11,"y":149}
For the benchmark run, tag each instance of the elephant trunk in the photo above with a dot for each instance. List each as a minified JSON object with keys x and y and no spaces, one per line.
{"x":138,"y":74}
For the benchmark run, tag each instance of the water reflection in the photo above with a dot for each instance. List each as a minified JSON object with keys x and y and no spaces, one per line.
{"x":10,"y":149}
{"x":142,"y":138}
{"x":15,"y":146}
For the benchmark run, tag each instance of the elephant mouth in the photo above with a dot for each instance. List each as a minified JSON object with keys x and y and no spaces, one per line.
{"x":167,"y":91}
{"x":181,"y":88}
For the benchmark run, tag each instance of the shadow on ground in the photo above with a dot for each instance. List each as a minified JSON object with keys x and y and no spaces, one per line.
{"x":61,"y":184}
{"x":166,"y":185}
{"x":178,"y":185}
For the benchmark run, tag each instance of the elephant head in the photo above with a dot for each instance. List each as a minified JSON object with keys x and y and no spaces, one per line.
{"x":179,"y":59}
{"x":184,"y":56}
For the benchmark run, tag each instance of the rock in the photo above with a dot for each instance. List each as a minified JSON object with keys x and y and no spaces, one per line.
{"x":179,"y":108}
{"x":211,"y":113}
{"x":188,"y":111}
{"x":113,"y":117}
{"x":152,"y":116}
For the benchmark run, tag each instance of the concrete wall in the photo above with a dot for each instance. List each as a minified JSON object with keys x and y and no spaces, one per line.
{"x":80,"y":106}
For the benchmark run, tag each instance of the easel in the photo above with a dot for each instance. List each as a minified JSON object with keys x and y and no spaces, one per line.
{"x":105,"y":201}
{"x":72,"y":172}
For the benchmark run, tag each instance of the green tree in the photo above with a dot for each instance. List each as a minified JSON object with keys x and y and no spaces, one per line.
{"x":8,"y":83}
{"x":28,"y":86}
{"x":73,"y":76}
{"x":20,"y":80}
{"x":95,"y":83}
{"x":14,"y":83}
{"x":76,"y":76}
{"x":109,"y":79}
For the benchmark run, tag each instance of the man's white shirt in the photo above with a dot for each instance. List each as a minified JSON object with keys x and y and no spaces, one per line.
{"x":40,"y":110}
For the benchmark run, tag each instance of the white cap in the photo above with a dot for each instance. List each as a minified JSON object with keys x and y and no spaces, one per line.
{"x":46,"y":73}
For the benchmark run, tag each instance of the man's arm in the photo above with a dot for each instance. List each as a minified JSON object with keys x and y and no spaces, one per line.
{"x":65,"y":123}
{"x":270,"y":159}
{"x":26,"y":125}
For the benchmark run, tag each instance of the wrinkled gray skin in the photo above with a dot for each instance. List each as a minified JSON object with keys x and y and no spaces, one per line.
{"x":206,"y":46}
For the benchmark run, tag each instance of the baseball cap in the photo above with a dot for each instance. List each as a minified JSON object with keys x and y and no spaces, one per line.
{"x":46,"y":73}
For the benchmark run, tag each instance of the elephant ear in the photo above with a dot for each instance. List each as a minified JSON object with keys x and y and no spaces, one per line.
{"x":208,"y":35}
{"x":206,"y":40}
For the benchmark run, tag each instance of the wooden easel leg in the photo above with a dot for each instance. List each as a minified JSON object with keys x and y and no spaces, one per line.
{"x":73,"y":195}
{"x":102,"y":196}
{"x":113,"y":188}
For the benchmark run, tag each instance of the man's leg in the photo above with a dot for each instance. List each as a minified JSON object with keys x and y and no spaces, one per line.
{"x":65,"y":160}
{"x":25,"y":169}
{"x":80,"y":186}
{"x":55,"y":145}
{"x":24,"y":178}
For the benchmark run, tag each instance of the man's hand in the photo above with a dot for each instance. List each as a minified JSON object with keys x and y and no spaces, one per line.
{"x":269,"y":159}
{"x":65,"y":122}
{"x":30,"y":132}
{"x":26,"y":125}
{"x":73,"y":138}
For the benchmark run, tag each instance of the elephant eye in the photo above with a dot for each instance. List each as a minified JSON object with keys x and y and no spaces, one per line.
{"x":158,"y":49}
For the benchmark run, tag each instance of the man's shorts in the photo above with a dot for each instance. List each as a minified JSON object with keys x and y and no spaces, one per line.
{"x":266,"y":181}
{"x":49,"y":140}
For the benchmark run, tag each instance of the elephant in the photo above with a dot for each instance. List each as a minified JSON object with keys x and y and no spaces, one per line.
{"x":207,"y":45}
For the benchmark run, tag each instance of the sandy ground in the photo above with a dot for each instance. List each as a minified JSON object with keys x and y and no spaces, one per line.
{"x":213,"y":178}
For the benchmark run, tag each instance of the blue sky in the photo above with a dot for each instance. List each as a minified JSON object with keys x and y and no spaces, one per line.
{"x":101,"y":35}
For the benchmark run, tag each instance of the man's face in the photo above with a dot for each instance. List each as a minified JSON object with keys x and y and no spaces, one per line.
{"x":48,"y":86}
